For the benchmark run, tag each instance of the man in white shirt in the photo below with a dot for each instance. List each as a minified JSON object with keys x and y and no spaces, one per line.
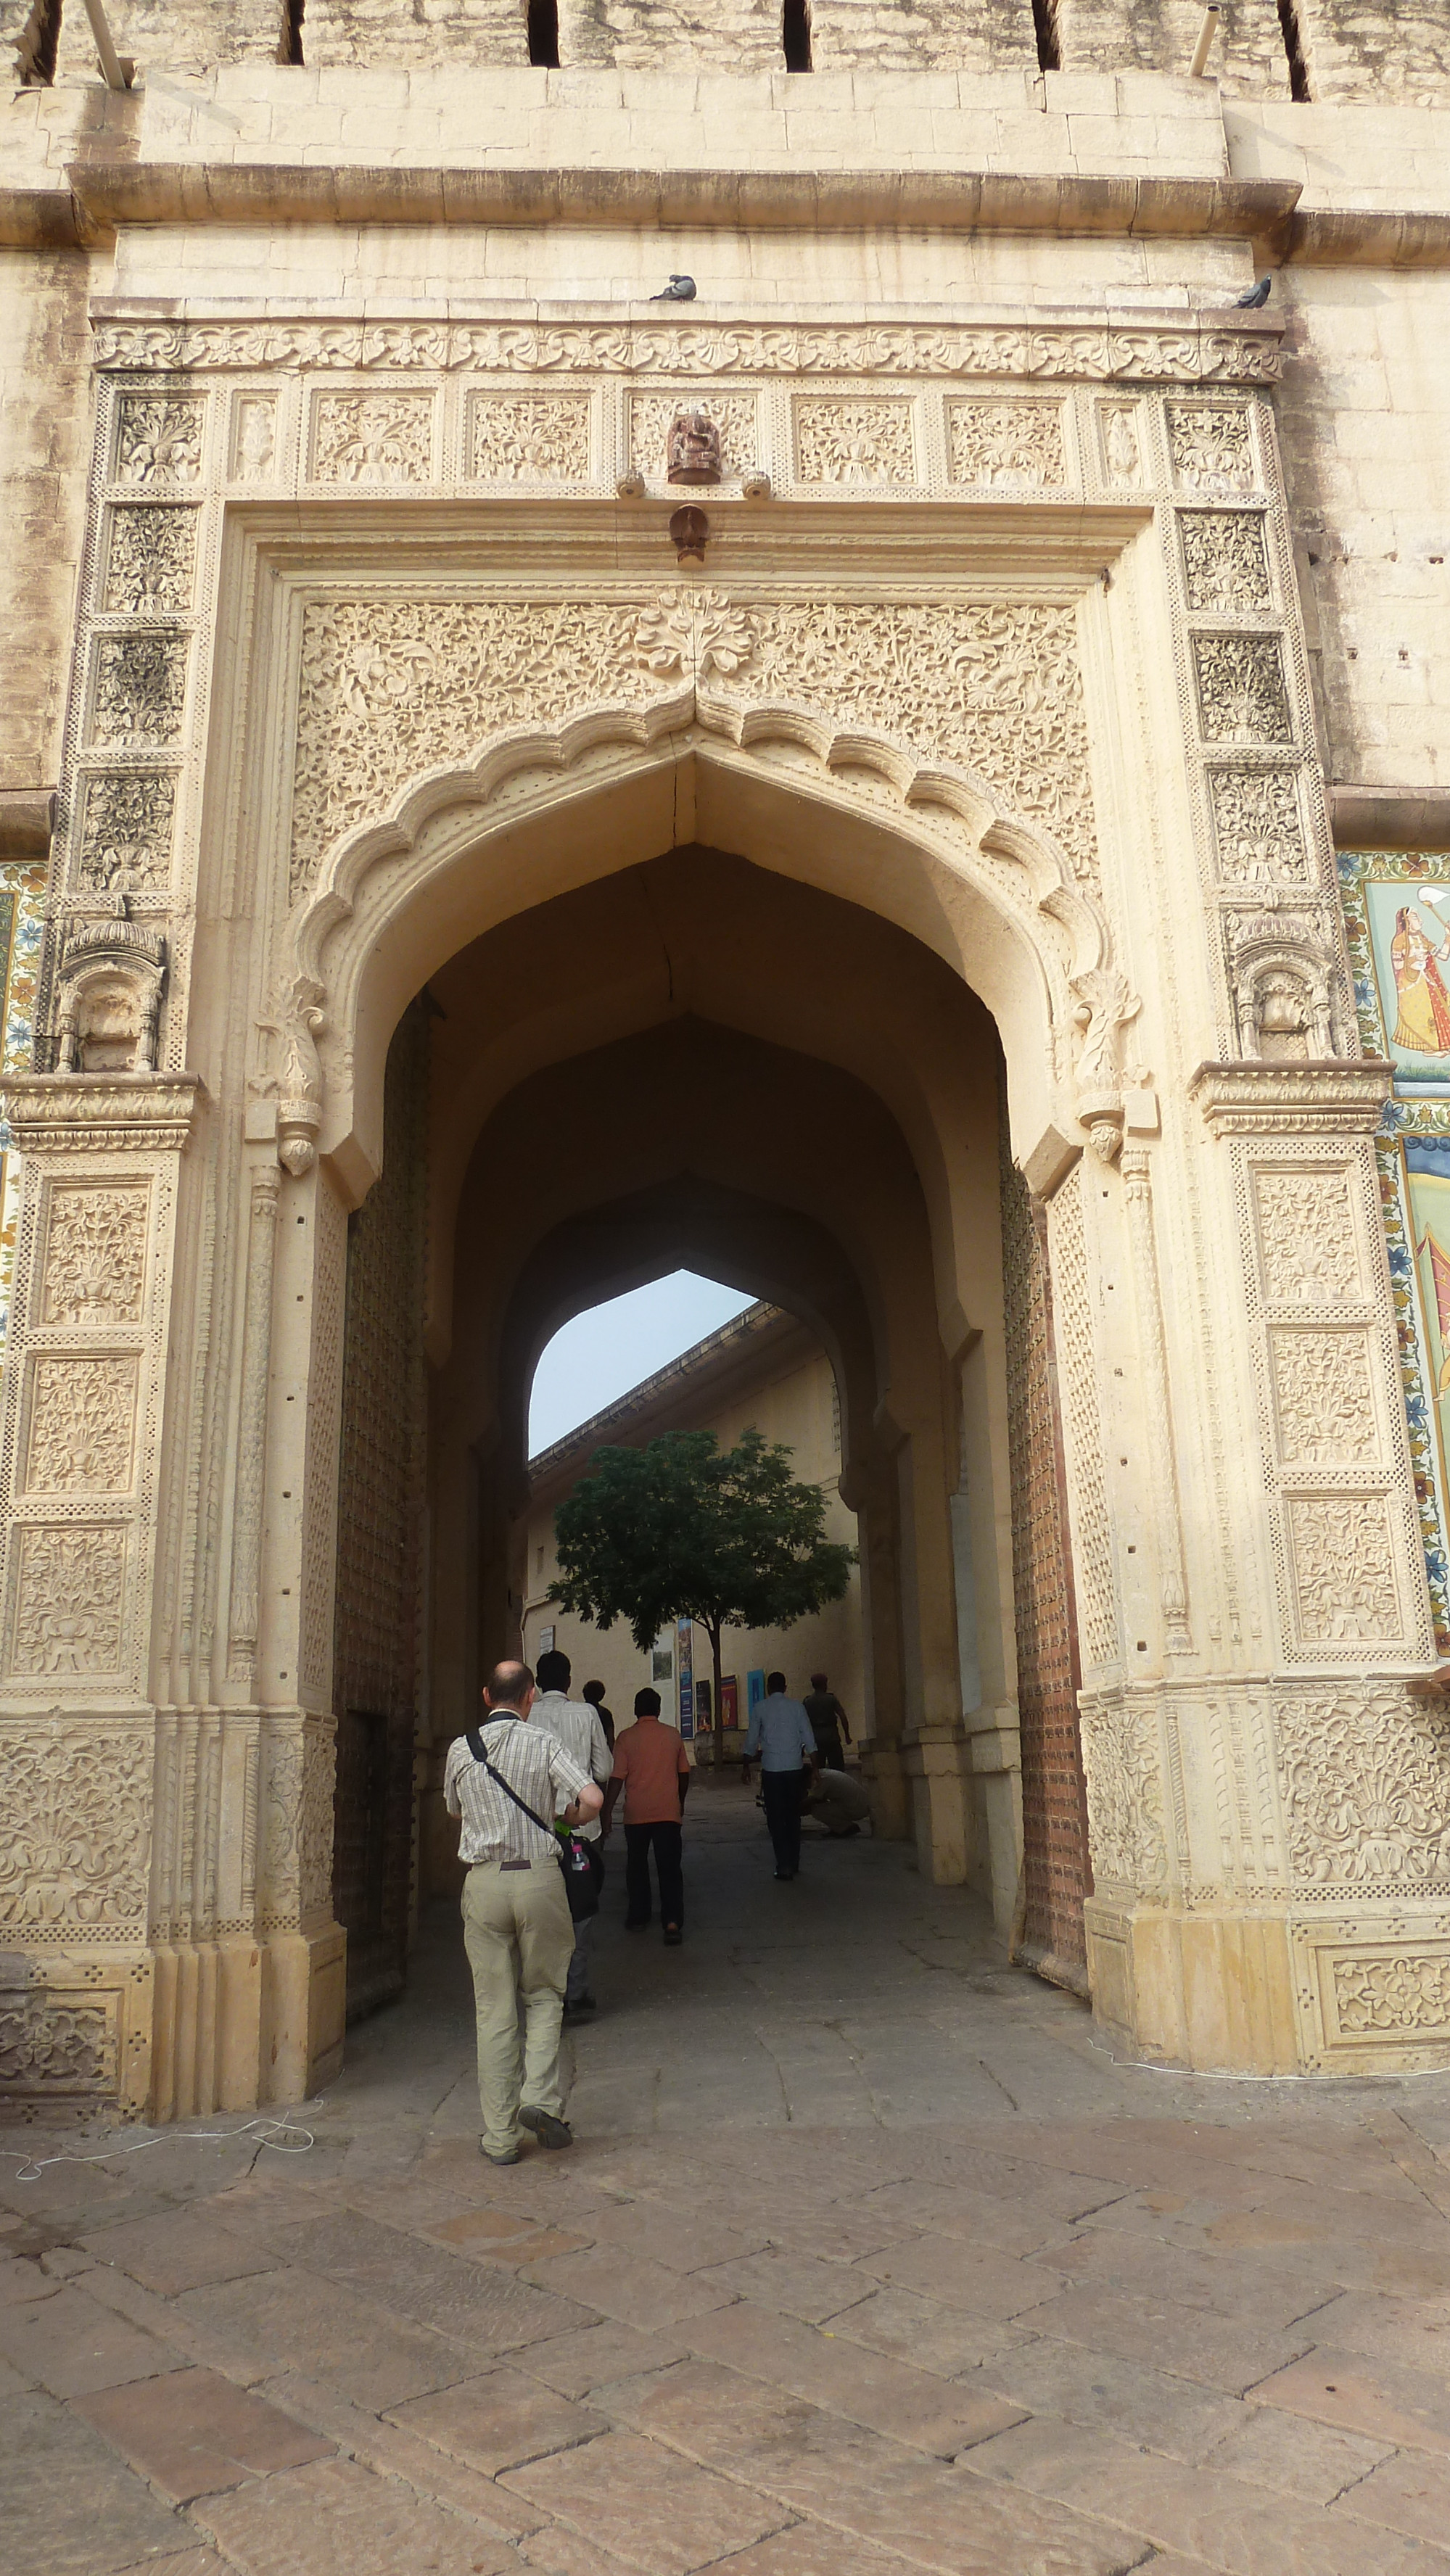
{"x":575,"y":1725}
{"x":782,"y":1735}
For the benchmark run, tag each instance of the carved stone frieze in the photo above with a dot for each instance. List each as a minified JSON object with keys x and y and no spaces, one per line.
{"x":140,"y":689}
{"x":1097,"y":352}
{"x":839,"y":440}
{"x":1225,"y":563}
{"x":77,"y":1829}
{"x":69,"y":1599}
{"x":529,"y":438}
{"x":1343,"y":1567}
{"x":92,"y":1113}
{"x":125,"y":830}
{"x":1212,"y":447}
{"x":1256,"y":826}
{"x":1324,"y":1397}
{"x":1015,"y":446}
{"x":150,"y":559}
{"x":82,"y":1425}
{"x":1337,"y":1099}
{"x":1241,"y":692}
{"x":52,"y":2046}
{"x":1365,"y":1777}
{"x":159,"y":439}
{"x":94,"y":1268}
{"x":372,"y":438}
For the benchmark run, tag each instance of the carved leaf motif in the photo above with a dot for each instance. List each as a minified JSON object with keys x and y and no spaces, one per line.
{"x":158,"y":438}
{"x":95,"y":1255}
{"x":1324,"y":1399}
{"x":529,"y":438}
{"x":1224,"y":563}
{"x":254,"y":453}
{"x":53,"y":2046}
{"x":140,"y":689}
{"x":695,"y":631}
{"x":839,"y":441}
{"x":373,"y":438}
{"x":1392,"y":1995}
{"x":1256,"y":826}
{"x":1212,"y":445}
{"x":126,"y":820}
{"x":1122,"y":447}
{"x":1366,"y":1786}
{"x":82,"y":1425}
{"x":1241,"y":692}
{"x":1308,"y":1244}
{"x":1342,"y":1555}
{"x":69,"y":1600}
{"x":150,"y":559}
{"x":78,"y":1827}
{"x":1125,"y":1797}
{"x":1014,"y":445}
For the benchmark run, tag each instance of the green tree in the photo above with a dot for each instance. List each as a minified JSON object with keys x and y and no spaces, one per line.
{"x":682,"y":1529}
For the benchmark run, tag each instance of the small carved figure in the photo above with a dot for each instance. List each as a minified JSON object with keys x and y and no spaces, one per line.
{"x":693,"y":449}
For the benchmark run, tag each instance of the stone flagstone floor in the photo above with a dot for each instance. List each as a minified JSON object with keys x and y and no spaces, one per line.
{"x":867,"y":2259}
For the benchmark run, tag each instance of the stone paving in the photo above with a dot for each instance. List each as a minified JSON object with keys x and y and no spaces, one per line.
{"x":867,"y":2259}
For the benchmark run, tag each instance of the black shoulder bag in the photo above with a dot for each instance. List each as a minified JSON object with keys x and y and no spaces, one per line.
{"x":576,"y":1860}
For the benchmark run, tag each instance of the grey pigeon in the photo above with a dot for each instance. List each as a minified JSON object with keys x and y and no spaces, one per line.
{"x":1254,"y":296}
{"x":681,"y":290}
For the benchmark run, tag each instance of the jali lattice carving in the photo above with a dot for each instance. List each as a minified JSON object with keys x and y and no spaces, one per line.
{"x":1125,"y":1795}
{"x":1241,"y":692}
{"x":69,"y":1600}
{"x":53,"y":2047}
{"x":1342,"y":1551}
{"x":1308,"y":1241}
{"x":159,"y":438}
{"x":1365,"y":1776}
{"x":95,"y":1253}
{"x":150,"y":559}
{"x":1212,"y":446}
{"x":529,"y":438}
{"x":839,"y":441}
{"x":736,"y":416}
{"x":140,"y":689}
{"x":1017,"y":445}
{"x":126,"y":824}
{"x":1256,"y":826}
{"x":77,"y":1828}
{"x":1393,"y":1995}
{"x":1323,"y":1398}
{"x":372,"y":438}
{"x":1225,"y":565}
{"x":82,"y":1425}
{"x":1093,"y":1551}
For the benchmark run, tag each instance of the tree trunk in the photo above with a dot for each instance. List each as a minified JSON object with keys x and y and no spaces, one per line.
{"x":714,"y":1634}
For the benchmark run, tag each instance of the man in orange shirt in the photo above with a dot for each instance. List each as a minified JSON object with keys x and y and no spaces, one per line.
{"x":652,"y":1767}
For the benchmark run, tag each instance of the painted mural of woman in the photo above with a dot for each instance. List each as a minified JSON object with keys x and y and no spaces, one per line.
{"x":1423,"y":1026}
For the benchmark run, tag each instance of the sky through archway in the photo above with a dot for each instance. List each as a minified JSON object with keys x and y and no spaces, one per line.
{"x":604,"y":1352}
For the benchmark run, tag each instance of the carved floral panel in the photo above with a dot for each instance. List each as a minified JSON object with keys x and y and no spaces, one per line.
{"x":1241,"y":692}
{"x":125,"y":835}
{"x":1225,"y":565}
{"x":150,"y":559}
{"x":77,"y":1827}
{"x":1400,"y":1996}
{"x":1212,"y":446}
{"x":254,"y":438}
{"x":1342,"y":1561}
{"x":1365,"y":1776}
{"x":1308,"y":1241}
{"x":69,"y":1600}
{"x":736,"y":416}
{"x":49,"y":2045}
{"x":529,"y":438}
{"x":82,"y":1425}
{"x":159,"y":438}
{"x":1015,"y":445}
{"x":373,"y":438}
{"x":1256,"y":826}
{"x":1125,"y":1795}
{"x":1323,"y":1398}
{"x":95,"y":1253}
{"x":140,"y":689}
{"x":841,"y":441}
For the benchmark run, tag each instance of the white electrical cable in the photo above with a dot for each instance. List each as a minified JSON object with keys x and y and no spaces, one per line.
{"x":275,"y":2133}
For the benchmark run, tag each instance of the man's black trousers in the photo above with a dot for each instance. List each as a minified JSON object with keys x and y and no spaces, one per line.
{"x":784,"y":1791}
{"x":665,"y":1841}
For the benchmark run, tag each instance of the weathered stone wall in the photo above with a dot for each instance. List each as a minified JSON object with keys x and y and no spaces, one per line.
{"x":373,"y":33}
{"x":1390,"y":51}
{"x":671,"y":35}
{"x":44,"y":433}
{"x":1249,"y":53}
{"x":922,"y":35}
{"x":188,"y":37}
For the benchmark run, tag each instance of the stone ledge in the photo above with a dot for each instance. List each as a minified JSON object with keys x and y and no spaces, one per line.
{"x":1329,"y":1098}
{"x":1391,"y":818}
{"x":94,"y":1113}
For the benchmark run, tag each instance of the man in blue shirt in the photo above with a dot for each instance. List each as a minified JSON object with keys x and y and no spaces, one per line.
{"x":781,"y":1733}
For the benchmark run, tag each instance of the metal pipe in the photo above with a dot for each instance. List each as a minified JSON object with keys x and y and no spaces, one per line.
{"x":1196,"y":68}
{"x":117,"y":70}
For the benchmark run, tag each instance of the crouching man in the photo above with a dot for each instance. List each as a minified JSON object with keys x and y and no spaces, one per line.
{"x":505,"y":1779}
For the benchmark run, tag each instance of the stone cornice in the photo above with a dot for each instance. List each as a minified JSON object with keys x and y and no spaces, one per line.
{"x":1330,"y":1098}
{"x":1391,"y":818}
{"x":95,"y":1113}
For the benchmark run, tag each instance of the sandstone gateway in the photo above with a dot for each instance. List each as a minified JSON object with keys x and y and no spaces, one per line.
{"x":906,"y":889}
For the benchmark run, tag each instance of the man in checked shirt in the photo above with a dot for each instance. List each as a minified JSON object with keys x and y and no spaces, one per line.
{"x":517,"y":1928}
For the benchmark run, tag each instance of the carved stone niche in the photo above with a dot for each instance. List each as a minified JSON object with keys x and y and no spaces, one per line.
{"x":112,"y":976}
{"x":1282,"y":992}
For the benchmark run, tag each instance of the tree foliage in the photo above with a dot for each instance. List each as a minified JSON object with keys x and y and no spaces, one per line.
{"x":682,"y":1529}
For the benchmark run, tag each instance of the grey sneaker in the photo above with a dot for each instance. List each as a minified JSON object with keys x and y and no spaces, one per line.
{"x":549,"y":2131}
{"x":509,"y":2157}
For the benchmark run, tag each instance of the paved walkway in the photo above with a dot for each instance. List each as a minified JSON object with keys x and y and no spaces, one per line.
{"x":867,"y":2260}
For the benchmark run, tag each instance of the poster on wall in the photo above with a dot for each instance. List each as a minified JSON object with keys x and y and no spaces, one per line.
{"x":1409,"y":939}
{"x":729,"y":1700}
{"x":685,"y":1663}
{"x":754,"y":1690}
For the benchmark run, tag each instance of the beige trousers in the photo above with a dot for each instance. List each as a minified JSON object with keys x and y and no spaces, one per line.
{"x":519,"y":1936}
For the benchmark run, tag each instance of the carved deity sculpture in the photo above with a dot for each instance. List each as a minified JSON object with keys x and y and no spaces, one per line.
{"x":693,"y":449}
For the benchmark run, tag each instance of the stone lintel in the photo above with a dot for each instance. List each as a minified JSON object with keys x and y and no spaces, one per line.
{"x":1391,"y":818}
{"x":1330,"y":1098}
{"x":101,"y":1113}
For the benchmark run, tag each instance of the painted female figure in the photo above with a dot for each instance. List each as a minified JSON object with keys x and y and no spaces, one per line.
{"x":1423,"y":1026}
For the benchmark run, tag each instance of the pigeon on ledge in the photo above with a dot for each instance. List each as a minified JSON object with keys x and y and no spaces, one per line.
{"x":1253,"y":296}
{"x":681,"y":290}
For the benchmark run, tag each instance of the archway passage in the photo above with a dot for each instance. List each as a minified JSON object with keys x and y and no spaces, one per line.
{"x":693,"y":1060}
